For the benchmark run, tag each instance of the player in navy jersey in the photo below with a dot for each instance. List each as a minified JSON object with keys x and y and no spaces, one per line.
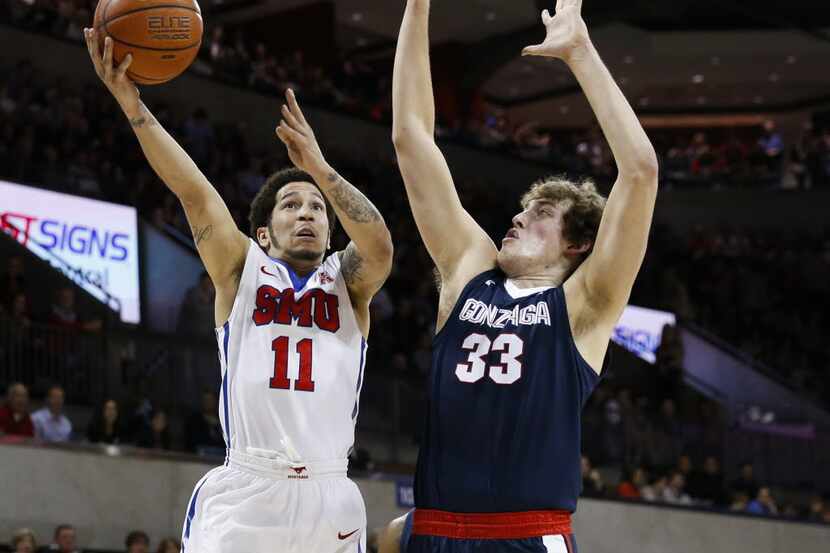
{"x":522,"y":331}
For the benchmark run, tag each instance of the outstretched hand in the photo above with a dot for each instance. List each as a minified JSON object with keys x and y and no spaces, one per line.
{"x":296,"y":134}
{"x":115,"y":78}
{"x":567,"y":34}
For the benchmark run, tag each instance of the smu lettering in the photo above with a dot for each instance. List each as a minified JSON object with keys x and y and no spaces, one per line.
{"x":283,"y":307}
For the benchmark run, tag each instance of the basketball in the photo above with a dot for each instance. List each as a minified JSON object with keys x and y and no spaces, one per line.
{"x":163,"y":36}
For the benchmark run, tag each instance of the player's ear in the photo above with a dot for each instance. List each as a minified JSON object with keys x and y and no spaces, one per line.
{"x":262,"y":237}
{"x":579,"y":249}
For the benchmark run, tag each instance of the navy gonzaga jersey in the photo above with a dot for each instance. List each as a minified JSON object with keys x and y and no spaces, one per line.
{"x":506,"y":389}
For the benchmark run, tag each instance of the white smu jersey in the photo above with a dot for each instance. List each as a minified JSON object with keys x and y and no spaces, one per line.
{"x":292,"y":360}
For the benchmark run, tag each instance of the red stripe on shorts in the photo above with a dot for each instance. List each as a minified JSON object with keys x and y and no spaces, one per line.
{"x":504,"y":526}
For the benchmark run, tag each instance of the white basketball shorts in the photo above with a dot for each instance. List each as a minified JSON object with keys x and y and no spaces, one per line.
{"x":257,"y":504}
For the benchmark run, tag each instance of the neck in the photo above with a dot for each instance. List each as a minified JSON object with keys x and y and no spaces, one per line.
{"x":547,"y":276}
{"x":300,"y":266}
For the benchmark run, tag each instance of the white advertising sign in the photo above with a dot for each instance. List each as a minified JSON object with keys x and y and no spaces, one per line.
{"x":639,"y":330}
{"x":94,"y":243}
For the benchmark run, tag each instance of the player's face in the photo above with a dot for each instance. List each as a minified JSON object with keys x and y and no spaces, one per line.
{"x":299,"y":223}
{"x":534,"y":243}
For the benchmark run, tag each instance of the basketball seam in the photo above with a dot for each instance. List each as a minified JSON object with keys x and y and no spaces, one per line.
{"x":140,"y":76}
{"x":119,"y":16}
{"x":142,"y":47}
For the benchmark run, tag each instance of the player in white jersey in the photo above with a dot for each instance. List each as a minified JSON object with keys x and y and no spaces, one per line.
{"x":292,"y":327}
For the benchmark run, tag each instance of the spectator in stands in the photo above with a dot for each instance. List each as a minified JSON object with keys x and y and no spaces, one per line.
{"x":669,"y":363}
{"x":20,"y":344}
{"x":707,"y":486}
{"x":763,"y":504}
{"x":613,"y":437}
{"x":739,"y":502}
{"x":64,"y":314}
{"x":13,"y":280}
{"x":203,"y":430}
{"x":198,"y":136}
{"x":105,"y":426}
{"x":684,"y":466}
{"x":674,"y":492}
{"x":14,"y":416}
{"x":23,"y":541}
{"x":137,"y":542}
{"x":815,"y":512}
{"x":156,"y":434}
{"x":64,"y":540}
{"x":746,"y":482}
{"x":51,"y":425}
{"x":592,"y":483}
{"x":196,"y":316}
{"x":631,"y":484}
{"x":772,"y":147}
{"x":667,"y":436}
{"x":654,"y":491}
{"x":169,"y":545}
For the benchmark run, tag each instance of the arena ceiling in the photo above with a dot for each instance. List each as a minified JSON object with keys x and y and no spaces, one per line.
{"x":669,"y":56}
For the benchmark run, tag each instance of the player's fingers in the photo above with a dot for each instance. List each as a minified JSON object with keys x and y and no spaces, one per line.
{"x":578,"y":5}
{"x":108,"y":58}
{"x":92,"y":47}
{"x":532,"y":50}
{"x":123,"y":66}
{"x":546,"y":15}
{"x":287,"y":133}
{"x":295,"y":107}
{"x":292,"y":121}
{"x":559,"y":4}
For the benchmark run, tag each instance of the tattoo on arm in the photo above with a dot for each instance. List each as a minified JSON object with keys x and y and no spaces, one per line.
{"x":146,"y":118}
{"x":201,"y":234}
{"x":351,"y":264}
{"x":349,"y":199}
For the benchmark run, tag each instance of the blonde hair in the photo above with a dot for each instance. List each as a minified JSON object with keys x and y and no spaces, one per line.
{"x":21,"y":534}
{"x":582,"y":203}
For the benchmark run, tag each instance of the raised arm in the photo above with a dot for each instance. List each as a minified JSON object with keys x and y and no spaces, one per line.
{"x":608,"y":274}
{"x":367,"y":260}
{"x":221,"y":245}
{"x":456,"y":243}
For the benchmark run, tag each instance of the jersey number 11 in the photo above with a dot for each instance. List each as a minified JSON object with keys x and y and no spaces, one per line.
{"x":280,"y":379}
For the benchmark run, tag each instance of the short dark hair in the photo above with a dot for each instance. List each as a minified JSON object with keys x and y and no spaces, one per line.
{"x":136,"y":536}
{"x":61,"y":527}
{"x":263,"y":203}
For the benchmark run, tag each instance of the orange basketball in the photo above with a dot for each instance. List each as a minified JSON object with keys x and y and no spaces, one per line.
{"x":162,"y":35}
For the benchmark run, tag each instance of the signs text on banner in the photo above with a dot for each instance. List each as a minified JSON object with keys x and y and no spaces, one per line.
{"x":94,"y":243}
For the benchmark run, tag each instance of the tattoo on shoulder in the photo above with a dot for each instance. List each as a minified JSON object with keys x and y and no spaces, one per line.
{"x":201,"y":234}
{"x":348,"y":198}
{"x":351,"y":264}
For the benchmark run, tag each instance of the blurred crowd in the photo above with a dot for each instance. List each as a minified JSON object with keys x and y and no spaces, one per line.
{"x":112,"y":422}
{"x":752,"y":156}
{"x":701,"y":485}
{"x":65,"y":540}
{"x":761,"y":292}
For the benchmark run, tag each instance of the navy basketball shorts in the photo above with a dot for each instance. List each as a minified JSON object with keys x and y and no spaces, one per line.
{"x":429,"y":531}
